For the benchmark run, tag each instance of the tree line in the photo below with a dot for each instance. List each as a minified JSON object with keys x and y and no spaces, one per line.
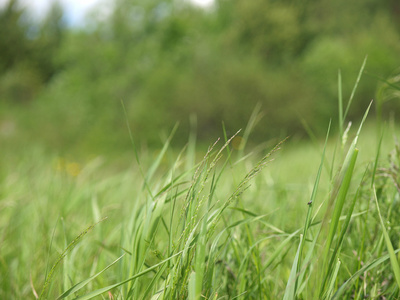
{"x":168,"y":60}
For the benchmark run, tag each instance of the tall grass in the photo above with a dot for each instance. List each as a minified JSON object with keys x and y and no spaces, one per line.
{"x":291,"y":223}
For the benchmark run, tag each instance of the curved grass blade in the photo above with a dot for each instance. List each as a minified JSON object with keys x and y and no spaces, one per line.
{"x":81,"y":284}
{"x":110,"y":287}
{"x":160,"y":156}
{"x":290,"y":290}
{"x":355,"y":87}
{"x":389,"y":246}
{"x":332,"y":280}
{"x":339,"y":293}
{"x":307,"y":225}
{"x":64,"y":253}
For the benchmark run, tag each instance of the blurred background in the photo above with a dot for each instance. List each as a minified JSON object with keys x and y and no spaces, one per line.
{"x":65,"y":69}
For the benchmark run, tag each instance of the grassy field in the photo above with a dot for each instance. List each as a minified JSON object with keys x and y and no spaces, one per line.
{"x":286,"y":219}
{"x":299,"y":220}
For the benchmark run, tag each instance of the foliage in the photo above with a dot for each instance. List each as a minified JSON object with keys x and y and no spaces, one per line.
{"x":27,"y":52}
{"x":168,"y":60}
{"x":212,"y":228}
{"x":227,"y":223}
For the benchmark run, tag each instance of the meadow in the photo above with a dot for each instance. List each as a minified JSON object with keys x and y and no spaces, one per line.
{"x":286,"y":219}
{"x":101,"y":197}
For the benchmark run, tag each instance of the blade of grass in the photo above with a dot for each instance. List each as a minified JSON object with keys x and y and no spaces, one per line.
{"x":290,"y":290}
{"x":278,"y":250}
{"x":159,"y":158}
{"x":367,"y":267}
{"x":192,"y":286}
{"x":301,"y":270}
{"x":393,"y":259}
{"x":349,"y":216}
{"x":134,"y":144}
{"x":64,"y":253}
{"x":153,"y":281}
{"x":335,"y":218}
{"x":200,"y":259}
{"x":254,"y":118}
{"x":376,"y":160}
{"x":110,"y":287}
{"x":343,"y":184}
{"x":340,"y":102}
{"x":191,"y":148}
{"x":355,"y":87}
{"x":83,"y":283}
{"x":332,"y":280}
{"x":394,"y":86}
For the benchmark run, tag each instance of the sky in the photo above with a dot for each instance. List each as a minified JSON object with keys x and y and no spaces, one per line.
{"x":75,"y":10}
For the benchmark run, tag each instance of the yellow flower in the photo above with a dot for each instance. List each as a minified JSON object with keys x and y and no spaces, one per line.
{"x":73,"y":169}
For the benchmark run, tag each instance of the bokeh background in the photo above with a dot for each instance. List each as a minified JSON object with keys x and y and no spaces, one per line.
{"x":63,"y":78}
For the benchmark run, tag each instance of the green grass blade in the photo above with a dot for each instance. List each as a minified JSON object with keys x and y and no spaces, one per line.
{"x":191,"y":148}
{"x":344,"y":184}
{"x":200,"y":258}
{"x":340,"y":199}
{"x":254,"y":118}
{"x":393,"y":259}
{"x":316,"y":185}
{"x":376,"y":160}
{"x":64,"y":253}
{"x":363,"y":121}
{"x":340,"y":102}
{"x":131,"y":135}
{"x":279,"y":249}
{"x":332,"y":280}
{"x":290,"y":290}
{"x":355,"y":87}
{"x":83,"y":283}
{"x":367,"y":267}
{"x":110,"y":287}
{"x":347,"y":219}
{"x":159,"y":158}
{"x":301,"y":282}
{"x":308,"y":221}
{"x":192,"y":287}
{"x":394,"y":86}
{"x":154,"y":280}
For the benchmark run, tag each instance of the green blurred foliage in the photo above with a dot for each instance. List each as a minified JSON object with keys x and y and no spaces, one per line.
{"x":167,"y":60}
{"x":27,"y":52}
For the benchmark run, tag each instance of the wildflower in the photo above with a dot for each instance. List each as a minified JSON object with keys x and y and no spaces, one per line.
{"x":73,"y":169}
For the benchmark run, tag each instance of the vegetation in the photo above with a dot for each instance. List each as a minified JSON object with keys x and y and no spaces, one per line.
{"x":168,"y":60}
{"x":92,"y":207}
{"x":174,"y":228}
{"x":222,"y":226}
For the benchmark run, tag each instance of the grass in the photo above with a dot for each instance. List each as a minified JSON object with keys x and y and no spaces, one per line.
{"x":294,"y":221}
{"x":225,"y":228}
